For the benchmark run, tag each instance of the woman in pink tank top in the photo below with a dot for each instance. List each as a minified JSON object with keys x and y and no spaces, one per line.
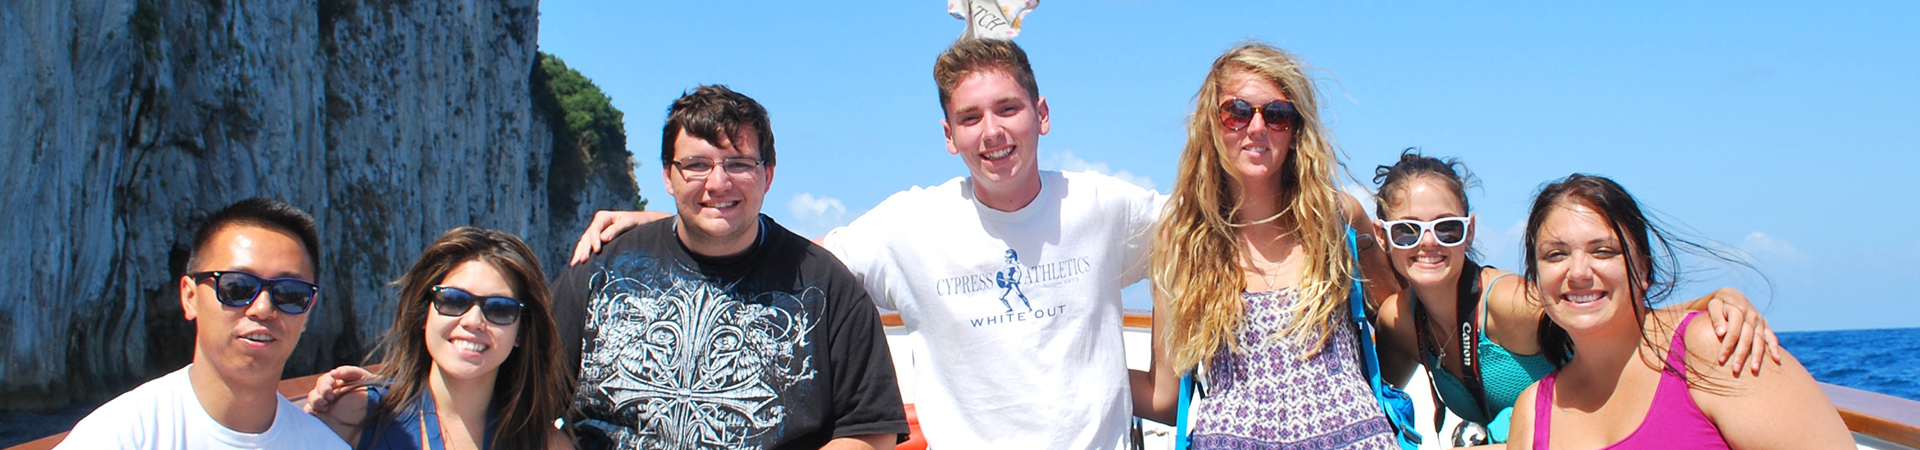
{"x":1642,"y":378}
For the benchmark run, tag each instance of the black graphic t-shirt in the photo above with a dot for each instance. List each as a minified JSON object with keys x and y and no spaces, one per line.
{"x":777,"y":348}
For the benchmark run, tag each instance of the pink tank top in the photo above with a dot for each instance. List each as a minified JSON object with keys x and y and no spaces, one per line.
{"x":1674,"y":421}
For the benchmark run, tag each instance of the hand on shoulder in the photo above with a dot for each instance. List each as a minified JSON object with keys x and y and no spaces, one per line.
{"x":607,"y":225}
{"x":1749,"y":409}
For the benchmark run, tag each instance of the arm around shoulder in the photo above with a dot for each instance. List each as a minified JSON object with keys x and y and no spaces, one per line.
{"x":1751,"y":410}
{"x":1156,"y":391}
{"x":1375,"y":266}
{"x":348,"y":414}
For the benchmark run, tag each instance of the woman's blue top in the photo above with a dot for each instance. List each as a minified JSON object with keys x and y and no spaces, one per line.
{"x":410,"y":428}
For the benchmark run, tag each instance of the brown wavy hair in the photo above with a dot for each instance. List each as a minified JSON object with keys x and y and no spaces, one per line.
{"x":532,"y":390}
{"x":1196,"y":256}
{"x":969,"y":55}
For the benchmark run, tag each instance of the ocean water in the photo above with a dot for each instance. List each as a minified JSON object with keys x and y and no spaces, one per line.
{"x":1885,"y":361}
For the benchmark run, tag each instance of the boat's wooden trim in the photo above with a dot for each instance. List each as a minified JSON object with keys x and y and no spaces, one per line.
{"x":1133,"y":320}
{"x":44,"y":443}
{"x":1138,"y":321}
{"x":1892,"y":419}
{"x":294,"y":389}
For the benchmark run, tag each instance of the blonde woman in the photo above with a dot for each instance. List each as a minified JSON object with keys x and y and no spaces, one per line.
{"x":1252,"y":269}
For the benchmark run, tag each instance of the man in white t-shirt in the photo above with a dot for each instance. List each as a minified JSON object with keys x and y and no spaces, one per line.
{"x":1008,"y":279}
{"x":249,"y":285}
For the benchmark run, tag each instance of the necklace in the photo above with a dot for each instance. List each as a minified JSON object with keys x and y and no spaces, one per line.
{"x":1269,"y":275}
{"x":1258,"y":263}
{"x":1439,"y":341}
{"x":1442,"y":340}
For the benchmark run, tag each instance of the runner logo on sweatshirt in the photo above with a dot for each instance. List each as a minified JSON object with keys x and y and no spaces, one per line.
{"x":1009,"y":280}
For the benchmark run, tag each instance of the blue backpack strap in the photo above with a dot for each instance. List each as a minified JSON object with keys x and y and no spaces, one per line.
{"x":1397,"y":405}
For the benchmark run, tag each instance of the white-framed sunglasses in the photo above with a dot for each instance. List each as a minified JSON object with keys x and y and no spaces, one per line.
{"x":1448,"y":231}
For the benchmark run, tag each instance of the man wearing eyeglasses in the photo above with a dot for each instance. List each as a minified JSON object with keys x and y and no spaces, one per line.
{"x":248,"y":288}
{"x":1052,"y":372}
{"x":720,"y":328}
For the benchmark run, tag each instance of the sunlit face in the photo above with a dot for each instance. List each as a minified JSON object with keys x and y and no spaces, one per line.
{"x":1583,"y":271}
{"x":246,"y":344}
{"x":995,"y":127}
{"x":1429,"y":265}
{"x":1255,"y":152}
{"x":723,"y":210}
{"x":468,"y":347}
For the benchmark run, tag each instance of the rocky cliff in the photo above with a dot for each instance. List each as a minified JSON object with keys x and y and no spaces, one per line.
{"x":127,"y":122}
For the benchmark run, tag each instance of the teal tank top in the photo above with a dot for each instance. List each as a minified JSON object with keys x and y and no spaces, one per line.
{"x":1503,"y":373}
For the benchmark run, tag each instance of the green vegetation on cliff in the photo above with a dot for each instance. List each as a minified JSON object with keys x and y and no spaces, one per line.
{"x":589,"y":136}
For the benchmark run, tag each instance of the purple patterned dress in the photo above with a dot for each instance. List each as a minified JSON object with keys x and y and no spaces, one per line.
{"x":1264,"y":397}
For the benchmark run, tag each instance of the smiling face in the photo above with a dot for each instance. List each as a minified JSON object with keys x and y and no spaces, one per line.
{"x":718,"y":215}
{"x":1582,"y":267}
{"x":246,"y":345}
{"x":1429,"y":265}
{"x":1256,"y":152}
{"x":995,"y":127}
{"x":468,"y":347}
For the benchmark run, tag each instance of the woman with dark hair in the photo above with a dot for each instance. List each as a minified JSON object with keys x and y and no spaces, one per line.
{"x":1473,"y":326}
{"x":1251,"y":271}
{"x":1642,"y":378}
{"x":472,"y":359}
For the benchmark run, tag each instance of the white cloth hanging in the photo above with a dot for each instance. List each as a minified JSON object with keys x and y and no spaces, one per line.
{"x":991,"y":19}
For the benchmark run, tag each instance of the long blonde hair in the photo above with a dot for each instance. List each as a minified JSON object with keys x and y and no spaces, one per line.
{"x":1195,"y":253}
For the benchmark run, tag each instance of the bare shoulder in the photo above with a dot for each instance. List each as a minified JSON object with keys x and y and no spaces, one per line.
{"x":1703,"y":346}
{"x":1748,"y":409}
{"x":558,"y":440}
{"x":1509,"y":297}
{"x":1356,"y":215}
{"x":1520,"y":430}
{"x":1513,"y":314}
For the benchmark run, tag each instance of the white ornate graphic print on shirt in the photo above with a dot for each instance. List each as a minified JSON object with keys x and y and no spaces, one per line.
{"x":698,"y":367}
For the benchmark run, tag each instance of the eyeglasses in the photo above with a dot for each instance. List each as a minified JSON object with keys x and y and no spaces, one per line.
{"x":1279,"y":114}
{"x":453,"y":302}
{"x":694,"y":168}
{"x":289,"y":295}
{"x":1448,"y":231}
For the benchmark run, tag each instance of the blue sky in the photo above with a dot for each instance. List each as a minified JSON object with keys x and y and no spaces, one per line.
{"x":1787,"y":130}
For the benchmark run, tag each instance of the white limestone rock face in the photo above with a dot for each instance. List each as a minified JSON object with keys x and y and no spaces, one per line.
{"x":128,"y":122}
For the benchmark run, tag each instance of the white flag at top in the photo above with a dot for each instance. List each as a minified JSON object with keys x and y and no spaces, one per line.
{"x":991,"y":19}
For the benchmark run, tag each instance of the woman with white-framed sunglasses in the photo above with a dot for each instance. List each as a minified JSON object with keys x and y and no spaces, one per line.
{"x":1428,"y":231}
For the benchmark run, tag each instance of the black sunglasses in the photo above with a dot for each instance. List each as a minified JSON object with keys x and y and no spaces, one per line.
{"x":289,"y":295}
{"x":452,"y":302}
{"x":1279,"y":114}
